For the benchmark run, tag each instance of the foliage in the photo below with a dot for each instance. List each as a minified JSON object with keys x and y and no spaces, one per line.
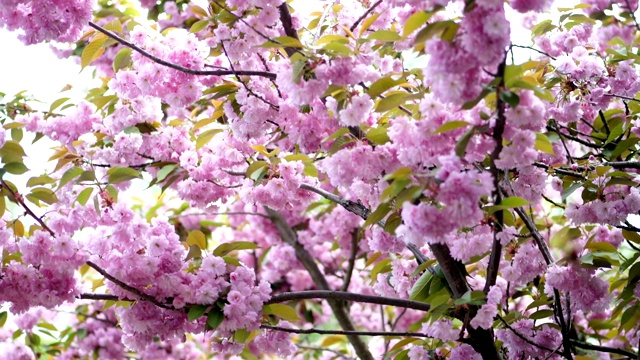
{"x":375,"y":180}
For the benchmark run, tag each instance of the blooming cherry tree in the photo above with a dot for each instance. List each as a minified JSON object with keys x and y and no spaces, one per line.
{"x":395,"y":179}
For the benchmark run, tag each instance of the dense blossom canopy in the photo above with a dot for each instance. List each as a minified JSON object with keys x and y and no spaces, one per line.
{"x":397,"y":179}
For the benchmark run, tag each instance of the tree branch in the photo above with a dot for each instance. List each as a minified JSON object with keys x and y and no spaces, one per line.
{"x":344,"y":332}
{"x":360,"y":210}
{"x":179,"y":67}
{"x":355,"y":235}
{"x":498,"y":131}
{"x":363,"y":16}
{"x":18,"y":198}
{"x":528,"y":341}
{"x":587,"y":346}
{"x":129,"y":288}
{"x":348,"y":296}
{"x":290,"y":237}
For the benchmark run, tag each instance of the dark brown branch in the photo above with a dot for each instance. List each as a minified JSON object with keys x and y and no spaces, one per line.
{"x":246,"y":87}
{"x":622,"y":97}
{"x":355,"y":236}
{"x":344,"y":332}
{"x":560,"y":171}
{"x":129,"y":288}
{"x":106,"y":297}
{"x":528,"y":341}
{"x":287,"y":25}
{"x":587,"y":346}
{"x":534,"y":49}
{"x":498,"y":131}
{"x":178,"y":67}
{"x":535,"y":234}
{"x":360,"y":210}
{"x":363,"y":16}
{"x":239,"y":18}
{"x":574,"y":138}
{"x":347,"y":296}
{"x":18,"y":198}
{"x":290,"y":237}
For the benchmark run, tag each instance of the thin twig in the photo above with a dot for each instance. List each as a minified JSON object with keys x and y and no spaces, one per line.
{"x":348,"y":296}
{"x":246,"y":87}
{"x":587,"y":346}
{"x":528,"y":341}
{"x":622,"y":97}
{"x":129,"y":288}
{"x":106,"y":297}
{"x":344,"y":332}
{"x":363,"y":16}
{"x":18,"y":198}
{"x":179,"y":67}
{"x":360,"y":210}
{"x":352,"y":259}
{"x":534,"y":49}
{"x":341,"y":314}
{"x":633,"y":16}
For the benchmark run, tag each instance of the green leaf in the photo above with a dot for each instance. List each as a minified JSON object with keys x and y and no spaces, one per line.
{"x":43,"y":194}
{"x":543,"y":27}
{"x":55,"y":104}
{"x":205,"y":137}
{"x":392,"y":101}
{"x":476,"y":297}
{"x":378,"y":135}
{"x":69,"y":175}
{"x":92,"y":51}
{"x":564,"y":235}
{"x":541,"y":314}
{"x":414,"y":22}
{"x":379,"y":214}
{"x":336,"y":135}
{"x":88,"y":175}
{"x":384,"y":35}
{"x":631,"y":236}
{"x":40,"y":180}
{"x":451,"y":125}
{"x":224,"y":249}
{"x":16,"y":168}
{"x":257,"y":170}
{"x":122,"y":59}
{"x":3,"y":318}
{"x":84,"y":195}
{"x":383,"y":266}
{"x":197,"y":238}
{"x":420,"y":289}
{"x":615,"y":132}
{"x":199,"y":25}
{"x":283,"y":42}
{"x":214,"y":318}
{"x":331,"y":38}
{"x":282,"y":311}
{"x":463,"y":142}
{"x":543,"y":144}
{"x":514,"y":202}
{"x":122,"y":174}
{"x":166,"y":170}
{"x":510,"y":98}
{"x":394,"y":189}
{"x":383,"y":84}
{"x":445,"y":29}
{"x":337,"y":49}
{"x":196,"y":312}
